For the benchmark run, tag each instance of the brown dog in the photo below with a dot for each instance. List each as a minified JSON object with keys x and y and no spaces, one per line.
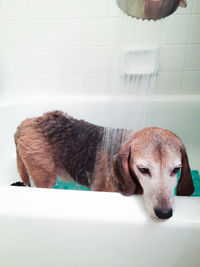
{"x":57,"y":145}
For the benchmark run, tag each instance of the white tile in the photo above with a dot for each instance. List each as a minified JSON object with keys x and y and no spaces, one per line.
{"x":193,"y":58}
{"x":187,"y":10}
{"x":168,"y":83}
{"x":72,"y":46}
{"x":29,"y":60}
{"x":74,"y":83}
{"x":97,"y":83}
{"x":137,"y":32}
{"x":195,"y":29}
{"x":19,"y":84}
{"x":14,"y":34}
{"x":13,"y":9}
{"x":191,"y":82}
{"x":172,"y":58}
{"x":34,"y":9}
{"x":196,"y":7}
{"x":112,"y":8}
{"x":176,"y":29}
{"x":113,"y":31}
{"x":59,"y":33}
{"x":76,"y":32}
{"x":89,"y":59}
{"x":62,"y":83}
{"x":52,"y":83}
{"x":80,"y":59}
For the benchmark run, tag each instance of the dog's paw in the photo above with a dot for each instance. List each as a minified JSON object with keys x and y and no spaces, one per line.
{"x":18,"y":184}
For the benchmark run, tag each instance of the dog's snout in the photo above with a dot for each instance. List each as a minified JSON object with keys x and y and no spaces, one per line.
{"x":163,"y":213}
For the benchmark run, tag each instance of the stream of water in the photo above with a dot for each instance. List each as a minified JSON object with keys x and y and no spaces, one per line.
{"x":134,"y":76}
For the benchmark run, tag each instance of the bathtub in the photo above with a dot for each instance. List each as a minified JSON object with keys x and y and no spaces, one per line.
{"x":48,"y":227}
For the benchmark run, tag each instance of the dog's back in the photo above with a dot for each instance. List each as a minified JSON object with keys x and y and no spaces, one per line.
{"x":58,"y":141}
{"x":74,"y":143}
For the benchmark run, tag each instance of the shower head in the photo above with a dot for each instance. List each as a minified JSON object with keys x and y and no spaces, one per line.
{"x":150,"y":9}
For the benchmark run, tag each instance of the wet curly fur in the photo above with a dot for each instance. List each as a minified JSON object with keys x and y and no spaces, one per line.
{"x":73,"y":143}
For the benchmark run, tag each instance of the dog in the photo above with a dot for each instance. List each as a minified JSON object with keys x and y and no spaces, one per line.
{"x":57,"y":145}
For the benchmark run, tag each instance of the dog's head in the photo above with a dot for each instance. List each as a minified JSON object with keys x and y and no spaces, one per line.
{"x":152,"y":160}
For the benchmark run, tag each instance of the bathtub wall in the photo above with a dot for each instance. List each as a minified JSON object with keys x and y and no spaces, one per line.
{"x":71,"y":47}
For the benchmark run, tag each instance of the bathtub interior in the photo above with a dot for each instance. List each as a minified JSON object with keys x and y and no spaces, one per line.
{"x":45,"y":227}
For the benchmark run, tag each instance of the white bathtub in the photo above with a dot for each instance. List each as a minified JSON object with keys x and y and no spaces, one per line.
{"x":45,"y":227}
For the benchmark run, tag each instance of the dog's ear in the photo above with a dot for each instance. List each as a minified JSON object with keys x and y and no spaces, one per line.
{"x":185,"y":185}
{"x":122,"y":172}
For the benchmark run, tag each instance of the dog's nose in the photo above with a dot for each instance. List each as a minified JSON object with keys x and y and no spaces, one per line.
{"x":163,"y":213}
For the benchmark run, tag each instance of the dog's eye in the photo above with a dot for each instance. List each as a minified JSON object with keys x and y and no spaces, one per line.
{"x":144,"y":170}
{"x":175,"y":170}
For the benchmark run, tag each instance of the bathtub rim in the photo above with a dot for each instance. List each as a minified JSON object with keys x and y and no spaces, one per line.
{"x":92,"y":206}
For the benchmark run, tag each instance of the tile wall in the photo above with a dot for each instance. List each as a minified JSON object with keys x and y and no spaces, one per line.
{"x":72,"y":47}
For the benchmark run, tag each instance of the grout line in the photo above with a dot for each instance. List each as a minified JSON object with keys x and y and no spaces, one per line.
{"x":84,"y":46}
{"x":186,"y":54}
{"x":78,"y":17}
{"x":84,"y":72}
{"x":120,"y":97}
{"x":56,"y":73}
{"x":59,"y":18}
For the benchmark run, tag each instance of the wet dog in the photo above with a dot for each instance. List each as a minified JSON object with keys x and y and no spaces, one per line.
{"x":57,"y":145}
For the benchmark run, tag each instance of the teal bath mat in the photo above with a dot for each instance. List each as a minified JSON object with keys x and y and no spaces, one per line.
{"x":74,"y":186}
{"x":69,"y":186}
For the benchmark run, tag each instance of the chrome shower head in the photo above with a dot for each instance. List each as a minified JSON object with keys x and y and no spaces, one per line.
{"x":150,"y":9}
